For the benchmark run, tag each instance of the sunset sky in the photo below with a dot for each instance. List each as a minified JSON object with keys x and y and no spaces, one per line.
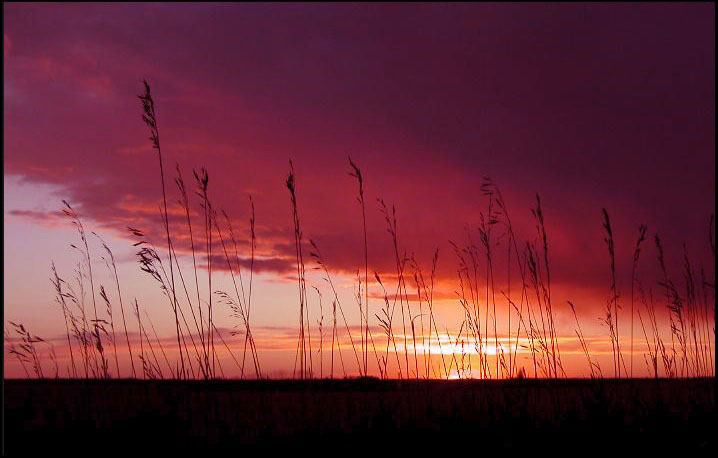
{"x":590,"y":106}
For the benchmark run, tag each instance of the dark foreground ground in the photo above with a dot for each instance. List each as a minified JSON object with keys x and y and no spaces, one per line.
{"x":190,"y":417}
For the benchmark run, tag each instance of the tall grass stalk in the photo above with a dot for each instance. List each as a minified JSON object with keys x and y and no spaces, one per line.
{"x":202,"y":180}
{"x":356,"y":173}
{"x":26,"y":350}
{"x":66,"y":313}
{"x":317,"y":255}
{"x":546,"y":289}
{"x":184,"y":202}
{"x":77,"y":222}
{"x":119,"y":295}
{"x":149,"y":116}
{"x":103,"y":295}
{"x":614,"y":293}
{"x":391,"y":221}
{"x":241,"y":300}
{"x":301,"y":344}
{"x":636,"y":254}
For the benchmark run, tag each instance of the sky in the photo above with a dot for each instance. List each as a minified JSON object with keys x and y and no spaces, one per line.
{"x":589,"y":106}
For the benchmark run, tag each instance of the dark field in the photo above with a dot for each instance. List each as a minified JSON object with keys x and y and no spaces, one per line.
{"x":195,"y":416}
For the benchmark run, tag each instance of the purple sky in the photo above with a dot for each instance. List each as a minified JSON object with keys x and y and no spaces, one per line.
{"x":589,"y":105}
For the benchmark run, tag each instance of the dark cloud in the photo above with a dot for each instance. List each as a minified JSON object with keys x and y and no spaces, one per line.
{"x":590,"y":105}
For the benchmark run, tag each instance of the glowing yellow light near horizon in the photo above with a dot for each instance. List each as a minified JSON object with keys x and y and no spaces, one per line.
{"x":447,"y":345}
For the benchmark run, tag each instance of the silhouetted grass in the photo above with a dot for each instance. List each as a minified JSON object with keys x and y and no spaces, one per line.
{"x":689,"y":353}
